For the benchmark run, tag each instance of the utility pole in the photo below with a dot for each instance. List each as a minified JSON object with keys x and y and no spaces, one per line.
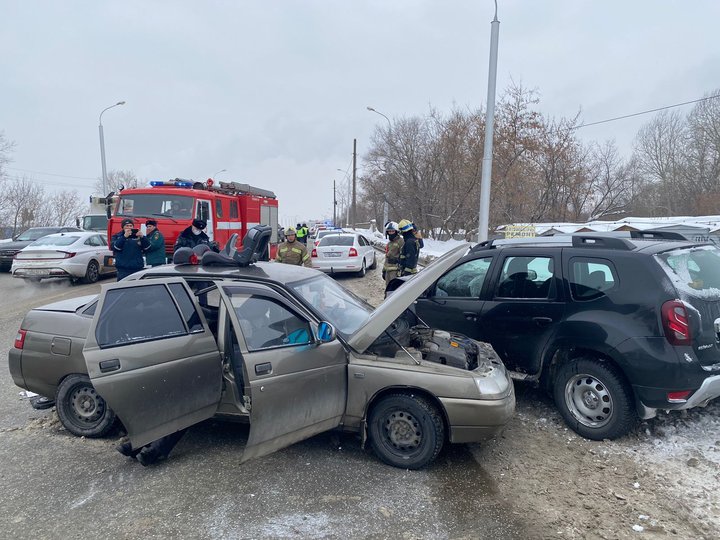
{"x":484,"y":215}
{"x":354,"y":193}
{"x":334,"y":206}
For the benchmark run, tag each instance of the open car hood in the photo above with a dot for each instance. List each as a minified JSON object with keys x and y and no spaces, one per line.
{"x":402,"y":298}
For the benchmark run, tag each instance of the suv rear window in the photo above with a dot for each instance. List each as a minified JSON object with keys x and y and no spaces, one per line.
{"x":693,"y":270}
{"x":590,"y":278}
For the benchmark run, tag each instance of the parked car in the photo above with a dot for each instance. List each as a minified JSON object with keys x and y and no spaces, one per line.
{"x":24,"y":239}
{"x":322,"y":234}
{"x":67,"y":255}
{"x":614,"y":327}
{"x":285,"y":348}
{"x":346,"y":252}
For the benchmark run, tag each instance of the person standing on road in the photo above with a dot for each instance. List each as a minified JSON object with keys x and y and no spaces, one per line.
{"x":155,"y":254}
{"x":300,"y":233}
{"x":128,"y":246}
{"x":410,"y":249}
{"x":194,"y":236}
{"x":393,"y":249}
{"x":291,"y":251}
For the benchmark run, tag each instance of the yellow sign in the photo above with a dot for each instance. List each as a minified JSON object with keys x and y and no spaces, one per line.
{"x":520,"y":231}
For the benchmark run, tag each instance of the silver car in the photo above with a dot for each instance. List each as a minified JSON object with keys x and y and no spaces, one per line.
{"x":344,"y":252}
{"x":285,"y":348}
{"x":70,"y":255}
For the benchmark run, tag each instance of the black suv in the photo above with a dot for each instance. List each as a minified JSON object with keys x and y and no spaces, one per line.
{"x":615,"y":327}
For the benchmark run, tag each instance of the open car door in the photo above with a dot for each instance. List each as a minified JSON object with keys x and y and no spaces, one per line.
{"x":295,"y":382}
{"x":151,"y":355}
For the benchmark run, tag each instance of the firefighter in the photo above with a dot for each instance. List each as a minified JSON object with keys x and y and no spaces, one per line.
{"x":155,"y":254}
{"x":410,"y":249}
{"x":301,"y":234}
{"x":194,"y":236}
{"x":291,"y":251}
{"x":391,"y":268}
{"x":128,"y":246}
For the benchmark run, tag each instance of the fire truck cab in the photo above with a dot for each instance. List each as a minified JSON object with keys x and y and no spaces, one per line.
{"x":229,"y":208}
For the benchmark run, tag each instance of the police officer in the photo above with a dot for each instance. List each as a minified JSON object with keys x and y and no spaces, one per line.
{"x":306,"y":233}
{"x":155,"y":254}
{"x":410,"y":249}
{"x":291,"y":251}
{"x":128,"y":246}
{"x":393,"y":249}
{"x":194,"y":236}
{"x":301,"y":234}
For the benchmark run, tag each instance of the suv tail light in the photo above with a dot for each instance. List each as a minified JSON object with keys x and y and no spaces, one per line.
{"x":353,"y":252}
{"x":675,"y":322}
{"x":20,"y":339}
{"x":314,"y":253}
{"x":678,"y":397}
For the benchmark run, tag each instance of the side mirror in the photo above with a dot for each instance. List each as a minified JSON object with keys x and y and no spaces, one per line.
{"x":77,"y":222}
{"x":326,"y":332}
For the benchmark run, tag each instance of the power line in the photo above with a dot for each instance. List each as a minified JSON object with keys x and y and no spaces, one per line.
{"x":52,"y":174}
{"x":647,"y":112}
{"x":48,"y":182}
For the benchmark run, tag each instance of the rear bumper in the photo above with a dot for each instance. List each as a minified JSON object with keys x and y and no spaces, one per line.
{"x":334,"y":267}
{"x":710,"y":389}
{"x":15,"y":365}
{"x":656,"y":398}
{"x":37,"y":273}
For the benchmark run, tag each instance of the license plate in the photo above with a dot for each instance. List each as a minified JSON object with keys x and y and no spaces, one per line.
{"x":36,"y":272}
{"x":333,"y":254}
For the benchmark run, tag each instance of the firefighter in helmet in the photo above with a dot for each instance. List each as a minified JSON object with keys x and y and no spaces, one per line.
{"x":393,"y":249}
{"x":291,"y":251}
{"x":410,"y":249}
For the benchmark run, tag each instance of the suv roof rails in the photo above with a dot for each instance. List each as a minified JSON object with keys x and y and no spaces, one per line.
{"x":656,"y":235}
{"x":601,"y":241}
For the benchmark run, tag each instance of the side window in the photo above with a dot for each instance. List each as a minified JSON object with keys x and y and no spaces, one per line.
{"x":137,"y":314}
{"x":192,"y":319}
{"x":203,"y":210}
{"x":267,"y":323}
{"x":89,"y":241}
{"x":465,"y":280}
{"x":527,"y":277}
{"x":234,"y":209}
{"x":591,"y":278}
{"x":218,"y":208}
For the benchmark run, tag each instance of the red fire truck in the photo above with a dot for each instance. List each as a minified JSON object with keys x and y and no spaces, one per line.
{"x":228,"y":208}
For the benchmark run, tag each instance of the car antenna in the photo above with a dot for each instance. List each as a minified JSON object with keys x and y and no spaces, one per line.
{"x":403,"y":348}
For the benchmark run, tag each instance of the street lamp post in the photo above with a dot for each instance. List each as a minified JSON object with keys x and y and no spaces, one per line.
{"x":102,"y":147}
{"x":220,"y":171}
{"x":385,"y":205}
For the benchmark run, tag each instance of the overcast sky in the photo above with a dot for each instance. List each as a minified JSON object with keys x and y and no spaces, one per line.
{"x":275,"y":91}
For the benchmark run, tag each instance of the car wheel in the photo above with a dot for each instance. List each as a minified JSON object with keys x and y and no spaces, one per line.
{"x":363,"y":270}
{"x":594,"y":399}
{"x":92,"y":274}
{"x":81,"y":410}
{"x":406,"y":431}
{"x":373,"y":266}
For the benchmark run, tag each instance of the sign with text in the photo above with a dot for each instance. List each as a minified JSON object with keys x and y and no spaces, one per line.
{"x":520,"y":231}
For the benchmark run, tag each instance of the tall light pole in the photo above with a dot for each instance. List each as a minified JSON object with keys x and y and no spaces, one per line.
{"x":215,"y":174}
{"x":102,"y":147}
{"x":385,"y":205}
{"x":348,"y":205}
{"x":484,"y":215}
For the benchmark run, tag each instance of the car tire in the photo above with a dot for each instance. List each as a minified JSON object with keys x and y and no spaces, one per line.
{"x":594,"y":399}
{"x":373,"y":266}
{"x":363,"y":269}
{"x":92,"y":274}
{"x":81,"y":410}
{"x":406,"y":431}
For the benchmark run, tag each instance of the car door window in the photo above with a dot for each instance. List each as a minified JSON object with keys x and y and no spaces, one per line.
{"x":591,"y":278}
{"x":190,"y":314}
{"x":526,"y":277}
{"x":89,"y":241}
{"x":267,"y":323}
{"x":464,"y":281}
{"x":143,"y":313}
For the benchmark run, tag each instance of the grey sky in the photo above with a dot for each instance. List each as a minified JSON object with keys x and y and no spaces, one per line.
{"x":275,"y":91}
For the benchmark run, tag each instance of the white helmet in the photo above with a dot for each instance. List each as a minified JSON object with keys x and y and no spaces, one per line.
{"x":391,"y":226}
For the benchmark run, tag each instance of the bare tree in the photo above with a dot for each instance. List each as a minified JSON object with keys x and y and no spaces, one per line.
{"x":117,"y":180}
{"x":23,"y":199}
{"x":60,"y":209}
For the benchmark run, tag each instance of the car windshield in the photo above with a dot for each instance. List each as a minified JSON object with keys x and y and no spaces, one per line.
{"x":55,"y":241}
{"x":694,"y":271}
{"x":335,"y":304}
{"x":34,"y":234}
{"x":95,"y":223}
{"x":151,"y":204}
{"x":336,"y":240}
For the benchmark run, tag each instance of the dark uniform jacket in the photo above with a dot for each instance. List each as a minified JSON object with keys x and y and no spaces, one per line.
{"x":128,"y":252}
{"x":188,"y":239}
{"x":155,"y":254}
{"x":409,"y":254}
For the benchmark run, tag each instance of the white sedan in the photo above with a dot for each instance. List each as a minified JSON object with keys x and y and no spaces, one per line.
{"x":343,"y":252}
{"x":73,"y":255}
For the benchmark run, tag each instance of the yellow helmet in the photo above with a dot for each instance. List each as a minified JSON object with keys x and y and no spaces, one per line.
{"x":405,"y":225}
{"x":290,"y":230}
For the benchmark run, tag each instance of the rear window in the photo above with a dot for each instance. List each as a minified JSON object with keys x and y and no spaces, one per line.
{"x":336,"y":240}
{"x":695,"y":270}
{"x":55,"y":241}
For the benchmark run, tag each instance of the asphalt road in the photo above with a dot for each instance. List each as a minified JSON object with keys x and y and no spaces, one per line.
{"x":55,"y":485}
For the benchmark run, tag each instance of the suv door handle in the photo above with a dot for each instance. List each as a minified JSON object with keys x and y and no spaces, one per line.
{"x":470,"y":316}
{"x":262,"y":369}
{"x":542,"y":321}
